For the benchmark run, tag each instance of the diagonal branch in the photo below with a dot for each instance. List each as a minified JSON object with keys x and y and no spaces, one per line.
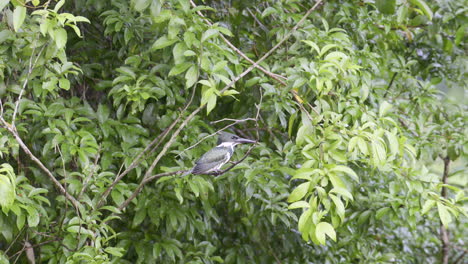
{"x":156,"y":142}
{"x":272,"y":75}
{"x":28,"y":152}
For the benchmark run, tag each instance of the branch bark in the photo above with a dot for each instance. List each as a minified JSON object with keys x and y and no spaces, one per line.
{"x":444,"y":233}
{"x":28,"y":152}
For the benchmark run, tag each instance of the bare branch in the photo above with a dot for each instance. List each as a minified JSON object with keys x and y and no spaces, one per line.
{"x":272,"y":75}
{"x":30,"y":69}
{"x":444,"y":233}
{"x":23,"y":146}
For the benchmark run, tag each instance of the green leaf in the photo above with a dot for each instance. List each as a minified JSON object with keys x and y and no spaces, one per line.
{"x":384,"y":108}
{"x":115,"y":251}
{"x":427,"y":206}
{"x":444,"y":215}
{"x":141,"y":5}
{"x":179,"y":68}
{"x":18,"y":17}
{"x":460,"y":34}
{"x":392,"y":143}
{"x":59,"y":5}
{"x":340,"y":208}
{"x":299,"y":204}
{"x":33,"y":217}
{"x":386,"y":6}
{"x":299,"y":192}
{"x":424,"y":7}
{"x":343,"y":192}
{"x":60,"y":36}
{"x":162,"y":42}
{"x":381,"y":212}
{"x":322,"y":229}
{"x":402,"y":14}
{"x":211,"y":103}
{"x":347,"y":170}
{"x":64,"y":84}
{"x":210,"y":33}
{"x":7,"y":191}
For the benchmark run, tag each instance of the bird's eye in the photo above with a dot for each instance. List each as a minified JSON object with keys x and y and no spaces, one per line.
{"x":234,"y":137}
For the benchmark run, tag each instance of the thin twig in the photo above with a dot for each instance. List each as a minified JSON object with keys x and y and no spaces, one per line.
{"x":272,"y":75}
{"x":256,"y":20}
{"x":233,"y":120}
{"x":30,"y":69}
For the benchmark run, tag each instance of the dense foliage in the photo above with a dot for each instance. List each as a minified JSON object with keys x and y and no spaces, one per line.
{"x":357,"y":107}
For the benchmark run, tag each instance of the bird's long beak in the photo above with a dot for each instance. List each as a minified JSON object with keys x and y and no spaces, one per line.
{"x":244,"y":141}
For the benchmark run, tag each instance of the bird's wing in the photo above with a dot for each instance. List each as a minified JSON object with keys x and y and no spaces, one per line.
{"x":214,"y":155}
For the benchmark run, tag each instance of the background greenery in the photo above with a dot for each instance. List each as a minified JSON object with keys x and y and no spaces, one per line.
{"x":359,"y":112}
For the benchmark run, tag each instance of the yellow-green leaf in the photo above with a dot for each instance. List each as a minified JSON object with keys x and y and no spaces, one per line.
{"x":18,"y":17}
{"x":322,"y":229}
{"x":299,"y":192}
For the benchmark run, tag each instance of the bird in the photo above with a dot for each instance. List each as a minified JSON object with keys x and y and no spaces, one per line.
{"x":216,"y":157}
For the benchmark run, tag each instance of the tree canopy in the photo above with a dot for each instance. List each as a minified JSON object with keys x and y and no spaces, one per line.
{"x":357,"y":107}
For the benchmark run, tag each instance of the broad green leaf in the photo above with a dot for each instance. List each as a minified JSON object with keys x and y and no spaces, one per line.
{"x":343,"y":192}
{"x":7,"y":191}
{"x":33,"y":216}
{"x":162,"y":42}
{"x":384,"y":108}
{"x":392,"y":143}
{"x":60,"y":36}
{"x":340,"y":208}
{"x":424,"y":7}
{"x":427,"y":206}
{"x":460,"y":34}
{"x":59,"y":5}
{"x":211,"y":103}
{"x":347,"y":170}
{"x":191,"y":76}
{"x":179,"y":68}
{"x":381,"y":212}
{"x":115,"y":251}
{"x":268,"y":11}
{"x":19,"y":14}
{"x":299,"y":204}
{"x":210,"y":33}
{"x":299,"y":192}
{"x":444,"y":214}
{"x":402,"y":14}
{"x":230,"y":92}
{"x":322,"y":229}
{"x":386,"y":6}
{"x":313,"y":45}
{"x":140,"y":5}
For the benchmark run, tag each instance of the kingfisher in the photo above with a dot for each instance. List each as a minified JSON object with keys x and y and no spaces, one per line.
{"x":215,"y":158}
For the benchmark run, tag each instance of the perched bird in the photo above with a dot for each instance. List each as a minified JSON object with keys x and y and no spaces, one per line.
{"x":215,"y":158}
